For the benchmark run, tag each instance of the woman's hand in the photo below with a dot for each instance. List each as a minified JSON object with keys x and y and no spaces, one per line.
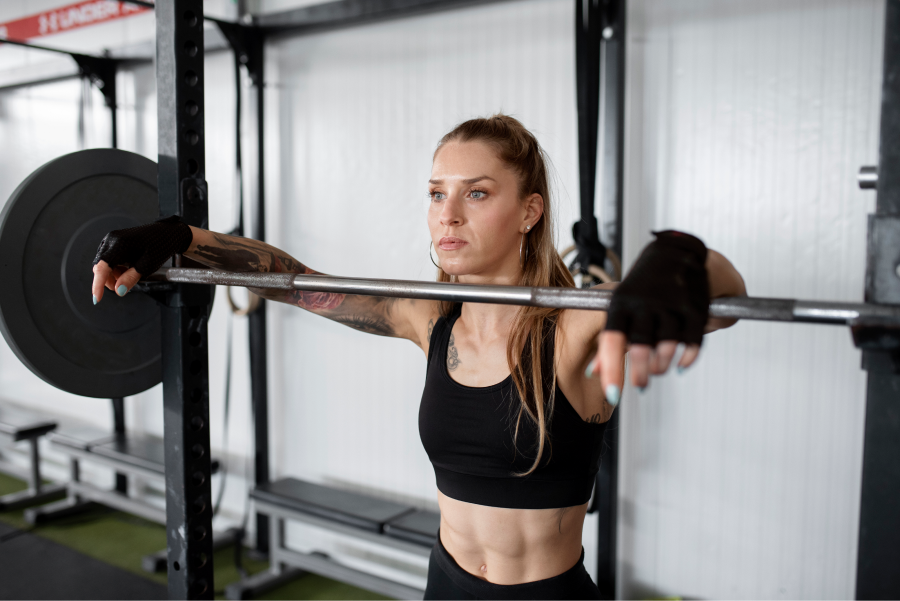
{"x":124,"y":256}
{"x":662,"y":302}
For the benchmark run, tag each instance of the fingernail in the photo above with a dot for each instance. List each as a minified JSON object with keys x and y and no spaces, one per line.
{"x":589,"y":372}
{"x":680,"y":369}
{"x":122,"y":290}
{"x":94,"y":296}
{"x":642,"y":389}
{"x":612,"y":395}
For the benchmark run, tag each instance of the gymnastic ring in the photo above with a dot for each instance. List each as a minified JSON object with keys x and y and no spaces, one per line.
{"x":252,"y":304}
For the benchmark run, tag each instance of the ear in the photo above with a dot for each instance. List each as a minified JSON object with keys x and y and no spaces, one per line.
{"x":534,"y":210}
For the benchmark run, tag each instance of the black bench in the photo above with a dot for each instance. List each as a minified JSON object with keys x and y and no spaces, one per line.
{"x":391,"y":524}
{"x":131,"y":454}
{"x":19,"y":425}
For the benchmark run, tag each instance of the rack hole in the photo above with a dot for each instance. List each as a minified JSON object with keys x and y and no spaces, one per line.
{"x":190,"y":18}
{"x":198,"y":451}
{"x":191,"y":78}
{"x":191,"y":108}
{"x":197,"y":423}
{"x":193,"y":167}
{"x":195,"y":339}
{"x":196,"y":367}
{"x":177,"y":566}
{"x":190,"y":48}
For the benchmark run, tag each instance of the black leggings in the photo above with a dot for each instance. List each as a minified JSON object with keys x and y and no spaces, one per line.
{"x":446,"y":580}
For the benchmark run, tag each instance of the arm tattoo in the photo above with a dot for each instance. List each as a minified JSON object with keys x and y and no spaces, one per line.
{"x":430,"y":329}
{"x":452,"y":355}
{"x":366,"y":323}
{"x":233,"y":253}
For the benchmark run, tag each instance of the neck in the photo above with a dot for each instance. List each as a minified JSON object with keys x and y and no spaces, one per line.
{"x":492,"y":321}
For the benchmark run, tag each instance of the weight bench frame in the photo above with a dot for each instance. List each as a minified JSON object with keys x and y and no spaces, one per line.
{"x":288,"y":564}
{"x":81,"y":496}
{"x":37,"y":492}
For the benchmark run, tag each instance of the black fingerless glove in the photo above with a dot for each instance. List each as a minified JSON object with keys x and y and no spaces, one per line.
{"x":666,"y":294}
{"x":145,"y":247}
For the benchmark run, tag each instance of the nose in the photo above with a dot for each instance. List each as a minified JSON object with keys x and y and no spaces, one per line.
{"x":451,"y":211}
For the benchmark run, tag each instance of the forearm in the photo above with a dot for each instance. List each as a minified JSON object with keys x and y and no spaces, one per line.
{"x":724,"y":281}
{"x":234,"y":253}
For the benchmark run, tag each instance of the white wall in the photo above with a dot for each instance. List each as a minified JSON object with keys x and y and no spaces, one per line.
{"x":747,"y":122}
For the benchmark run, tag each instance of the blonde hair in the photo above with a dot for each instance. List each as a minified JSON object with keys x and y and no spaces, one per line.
{"x":519,"y":149}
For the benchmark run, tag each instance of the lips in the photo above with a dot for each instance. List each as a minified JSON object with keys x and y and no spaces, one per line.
{"x":451,"y":243}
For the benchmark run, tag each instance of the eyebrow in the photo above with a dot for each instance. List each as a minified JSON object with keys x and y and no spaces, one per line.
{"x":465,"y":181}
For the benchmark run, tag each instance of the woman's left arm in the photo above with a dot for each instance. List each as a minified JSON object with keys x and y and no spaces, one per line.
{"x":724,"y":281}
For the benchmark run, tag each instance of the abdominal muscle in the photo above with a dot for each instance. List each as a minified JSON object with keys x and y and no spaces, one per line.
{"x":511,"y":546}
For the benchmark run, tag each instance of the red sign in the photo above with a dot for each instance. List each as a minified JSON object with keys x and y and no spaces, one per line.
{"x":67,"y":18}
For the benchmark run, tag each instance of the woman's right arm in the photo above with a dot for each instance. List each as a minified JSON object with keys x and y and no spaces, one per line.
{"x":384,"y":316}
{"x":399,"y":318}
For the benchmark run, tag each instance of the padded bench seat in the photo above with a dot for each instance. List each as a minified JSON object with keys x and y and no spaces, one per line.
{"x":345,"y":507}
{"x":19,"y":424}
{"x":138,"y":455}
{"x":417,"y":527}
{"x":394,"y":525}
{"x":140,"y":451}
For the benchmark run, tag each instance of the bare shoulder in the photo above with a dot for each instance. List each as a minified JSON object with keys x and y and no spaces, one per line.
{"x":420,"y":315}
{"x":578,"y":328}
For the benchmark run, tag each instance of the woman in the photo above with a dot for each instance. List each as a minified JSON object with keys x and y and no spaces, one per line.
{"x":512,"y":414}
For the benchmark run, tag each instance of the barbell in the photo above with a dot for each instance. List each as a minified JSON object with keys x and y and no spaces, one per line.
{"x":53,"y":222}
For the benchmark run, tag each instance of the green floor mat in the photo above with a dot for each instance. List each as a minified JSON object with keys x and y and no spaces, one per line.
{"x":121,"y":540}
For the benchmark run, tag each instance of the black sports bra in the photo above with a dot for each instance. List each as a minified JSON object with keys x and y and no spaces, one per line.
{"x":468,"y":435}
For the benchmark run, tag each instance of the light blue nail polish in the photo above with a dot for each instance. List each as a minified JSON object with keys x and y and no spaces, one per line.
{"x":680,"y":369}
{"x":122,"y":290}
{"x":589,"y":372}
{"x":612,"y":394}
{"x":94,"y":296}
{"x":642,"y":389}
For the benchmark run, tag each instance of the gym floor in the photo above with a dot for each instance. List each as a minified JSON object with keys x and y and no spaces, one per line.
{"x":98,"y":556}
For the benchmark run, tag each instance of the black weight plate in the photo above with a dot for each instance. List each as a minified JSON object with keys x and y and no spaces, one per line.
{"x":49,"y":232}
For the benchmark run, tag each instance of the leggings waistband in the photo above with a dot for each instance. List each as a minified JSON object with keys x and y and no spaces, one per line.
{"x":555,"y":587}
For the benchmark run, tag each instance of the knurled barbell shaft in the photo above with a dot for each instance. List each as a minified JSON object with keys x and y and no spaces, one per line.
{"x":743,"y":307}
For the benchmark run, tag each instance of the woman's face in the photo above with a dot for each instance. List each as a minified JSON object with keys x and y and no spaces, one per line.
{"x":475,"y":215}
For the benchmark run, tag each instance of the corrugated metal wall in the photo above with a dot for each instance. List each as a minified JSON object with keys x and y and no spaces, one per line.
{"x":747,"y":122}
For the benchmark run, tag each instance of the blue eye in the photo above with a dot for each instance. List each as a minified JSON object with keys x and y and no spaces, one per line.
{"x":478,"y":194}
{"x":436,"y":195}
